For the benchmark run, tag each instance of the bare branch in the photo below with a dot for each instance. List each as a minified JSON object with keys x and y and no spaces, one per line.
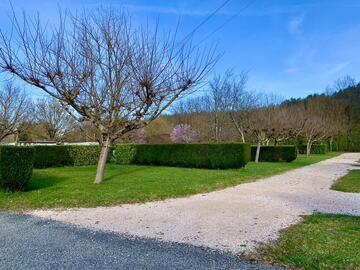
{"x":14,"y":110}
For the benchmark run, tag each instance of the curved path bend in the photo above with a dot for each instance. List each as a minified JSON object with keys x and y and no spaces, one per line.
{"x":234,"y":219}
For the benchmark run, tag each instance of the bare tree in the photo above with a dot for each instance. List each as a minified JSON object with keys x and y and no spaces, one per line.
{"x":258,"y":126}
{"x":335,"y":112}
{"x":341,"y":84}
{"x":49,"y":113}
{"x":285,"y":122}
{"x":198,"y":112}
{"x":266,"y":122}
{"x":82,"y":132}
{"x":235,"y":101}
{"x":226,"y":96}
{"x":108,"y":72}
{"x":317,"y":119}
{"x":316,"y":122}
{"x":209,"y":104}
{"x":185,"y":110}
{"x":13,"y":110}
{"x":215,"y":98}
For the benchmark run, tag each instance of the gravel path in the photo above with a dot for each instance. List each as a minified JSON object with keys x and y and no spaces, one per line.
{"x":32,"y":243}
{"x":234,"y":219}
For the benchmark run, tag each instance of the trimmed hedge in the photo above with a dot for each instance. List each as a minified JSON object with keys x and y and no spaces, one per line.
{"x":16,"y":164}
{"x":65,"y":155}
{"x":350,"y":142}
{"x":286,"y":153}
{"x":315,"y":149}
{"x":212,"y":156}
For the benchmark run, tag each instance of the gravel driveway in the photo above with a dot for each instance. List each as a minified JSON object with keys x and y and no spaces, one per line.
{"x":234,"y":219}
{"x":32,"y":243}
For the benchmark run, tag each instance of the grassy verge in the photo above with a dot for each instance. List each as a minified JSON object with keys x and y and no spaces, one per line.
{"x":320,"y":242}
{"x":73,"y":186}
{"x":349,"y":183}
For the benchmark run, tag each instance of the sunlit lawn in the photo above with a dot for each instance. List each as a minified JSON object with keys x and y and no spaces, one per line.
{"x":349,"y":183}
{"x":320,"y":242}
{"x":73,"y":186}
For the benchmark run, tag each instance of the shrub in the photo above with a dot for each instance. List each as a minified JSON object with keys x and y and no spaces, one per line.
{"x":212,"y":156}
{"x":16,"y":164}
{"x":348,"y":142}
{"x":84,"y":155}
{"x":315,"y":149}
{"x":51,"y":156}
{"x":66,"y":155}
{"x":184,"y":134}
{"x":139,"y":136}
{"x":275,"y":153}
{"x":124,"y":154}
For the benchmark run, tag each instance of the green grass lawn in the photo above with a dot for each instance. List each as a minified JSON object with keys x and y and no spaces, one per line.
{"x":320,"y":242}
{"x":73,"y":186}
{"x":349,"y":183}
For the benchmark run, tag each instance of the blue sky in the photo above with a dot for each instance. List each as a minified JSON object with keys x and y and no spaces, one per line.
{"x":292,"y":48}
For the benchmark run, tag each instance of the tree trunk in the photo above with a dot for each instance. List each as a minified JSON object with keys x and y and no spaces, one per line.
{"x":52,"y":135}
{"x":331,"y":144}
{"x":308,"y":148}
{"x":16,"y":138}
{"x":257,"y":156}
{"x":216,"y":122}
{"x":238,"y":128}
{"x":102,"y":161}
{"x":242,"y":137}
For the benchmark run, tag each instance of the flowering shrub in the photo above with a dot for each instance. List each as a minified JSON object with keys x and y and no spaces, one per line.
{"x":184,"y":134}
{"x":140,"y":136}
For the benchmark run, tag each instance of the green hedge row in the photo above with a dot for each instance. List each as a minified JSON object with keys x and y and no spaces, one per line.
{"x":275,"y":153}
{"x":16,"y":164}
{"x":350,"y":142}
{"x":315,"y":149}
{"x":65,"y":155}
{"x":212,"y":156}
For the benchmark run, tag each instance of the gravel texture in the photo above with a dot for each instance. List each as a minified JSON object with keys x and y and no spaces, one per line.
{"x":32,"y":243}
{"x":234,"y":219}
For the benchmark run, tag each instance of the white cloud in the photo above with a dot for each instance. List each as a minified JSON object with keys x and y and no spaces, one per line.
{"x":338,"y":68}
{"x":148,"y":8}
{"x":295,"y":24}
{"x":290,"y":70}
{"x":173,"y":10}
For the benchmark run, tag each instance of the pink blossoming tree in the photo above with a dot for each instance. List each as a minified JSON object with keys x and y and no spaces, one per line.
{"x":184,"y":134}
{"x":140,"y":136}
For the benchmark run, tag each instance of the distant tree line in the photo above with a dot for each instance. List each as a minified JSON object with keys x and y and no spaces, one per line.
{"x":228,"y":111}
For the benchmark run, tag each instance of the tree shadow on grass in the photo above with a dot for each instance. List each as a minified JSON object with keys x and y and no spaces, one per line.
{"x":123,"y":172}
{"x":42,"y":182}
